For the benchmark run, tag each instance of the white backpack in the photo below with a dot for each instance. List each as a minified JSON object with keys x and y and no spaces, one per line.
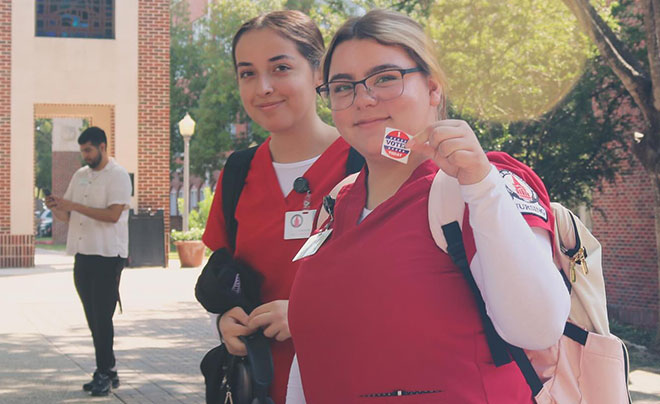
{"x":588,"y":364}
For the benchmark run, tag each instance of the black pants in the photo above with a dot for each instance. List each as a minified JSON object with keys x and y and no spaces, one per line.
{"x":97,"y":283}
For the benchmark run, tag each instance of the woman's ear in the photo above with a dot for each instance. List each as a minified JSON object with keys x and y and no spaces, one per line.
{"x":435,"y":92}
{"x":317,"y":75}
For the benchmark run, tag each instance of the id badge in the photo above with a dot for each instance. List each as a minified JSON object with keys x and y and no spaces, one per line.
{"x":312,"y":244}
{"x":298,"y":224}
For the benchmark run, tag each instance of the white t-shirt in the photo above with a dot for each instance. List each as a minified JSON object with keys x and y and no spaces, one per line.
{"x":288,"y":172}
{"x":99,"y":189}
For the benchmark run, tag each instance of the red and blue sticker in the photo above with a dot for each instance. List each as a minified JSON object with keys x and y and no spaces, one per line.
{"x":395,"y":145}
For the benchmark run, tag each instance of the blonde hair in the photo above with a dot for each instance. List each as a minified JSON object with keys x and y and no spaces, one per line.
{"x":391,"y":28}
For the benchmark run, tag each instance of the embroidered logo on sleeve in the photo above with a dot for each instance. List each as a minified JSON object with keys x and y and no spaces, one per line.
{"x":525,"y":198}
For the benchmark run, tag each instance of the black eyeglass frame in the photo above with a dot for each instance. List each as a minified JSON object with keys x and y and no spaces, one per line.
{"x":325,"y":86}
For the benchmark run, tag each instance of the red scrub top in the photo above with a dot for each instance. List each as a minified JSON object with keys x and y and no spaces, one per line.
{"x":260,"y":237}
{"x":380,"y":314}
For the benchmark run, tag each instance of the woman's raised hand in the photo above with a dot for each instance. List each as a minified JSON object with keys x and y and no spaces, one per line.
{"x":454,"y":147}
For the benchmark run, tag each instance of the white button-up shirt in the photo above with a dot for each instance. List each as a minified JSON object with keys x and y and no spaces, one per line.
{"x":99,"y":189}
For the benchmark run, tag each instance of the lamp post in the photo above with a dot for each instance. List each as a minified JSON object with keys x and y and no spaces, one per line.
{"x":186,"y":128}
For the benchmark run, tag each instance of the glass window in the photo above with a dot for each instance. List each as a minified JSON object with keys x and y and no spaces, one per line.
{"x":75,"y":18}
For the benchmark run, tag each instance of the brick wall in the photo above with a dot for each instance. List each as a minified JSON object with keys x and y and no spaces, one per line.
{"x":153,"y":106}
{"x":16,"y":250}
{"x":5,"y":116}
{"x":624,"y":222}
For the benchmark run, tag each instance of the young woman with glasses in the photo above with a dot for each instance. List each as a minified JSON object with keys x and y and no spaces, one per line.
{"x":277,"y":57}
{"x":379,"y":311}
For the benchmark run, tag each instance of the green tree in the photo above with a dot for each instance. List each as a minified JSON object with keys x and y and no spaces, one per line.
{"x":188,"y":73}
{"x":511,"y":68}
{"x":571,"y":147}
{"x":508,"y":60}
{"x":43,"y":141}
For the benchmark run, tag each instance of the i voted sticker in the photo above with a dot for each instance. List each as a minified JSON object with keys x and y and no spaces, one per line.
{"x":395,"y":145}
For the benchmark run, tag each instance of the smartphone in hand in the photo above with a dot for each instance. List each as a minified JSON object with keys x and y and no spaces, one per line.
{"x":48,"y":199}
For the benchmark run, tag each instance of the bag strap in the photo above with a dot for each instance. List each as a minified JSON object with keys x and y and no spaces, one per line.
{"x":261,"y":365}
{"x":578,"y":243}
{"x":456,"y":251}
{"x":500,"y":350}
{"x":354,"y":162}
{"x":233,"y":180}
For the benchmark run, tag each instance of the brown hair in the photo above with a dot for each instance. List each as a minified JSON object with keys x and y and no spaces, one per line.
{"x":391,"y":28}
{"x":293,"y":25}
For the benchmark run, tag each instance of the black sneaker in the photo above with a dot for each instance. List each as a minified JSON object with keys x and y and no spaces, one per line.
{"x":114,"y":379}
{"x":102,"y":385}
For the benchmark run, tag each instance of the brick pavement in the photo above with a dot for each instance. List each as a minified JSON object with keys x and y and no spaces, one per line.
{"x":46,"y":352}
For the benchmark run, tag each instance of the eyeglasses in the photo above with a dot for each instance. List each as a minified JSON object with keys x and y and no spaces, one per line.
{"x":383,"y":85}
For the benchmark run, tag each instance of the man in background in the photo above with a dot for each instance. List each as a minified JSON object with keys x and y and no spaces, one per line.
{"x":95,"y":206}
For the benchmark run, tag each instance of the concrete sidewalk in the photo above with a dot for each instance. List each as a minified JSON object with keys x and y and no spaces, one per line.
{"x":46,"y":352}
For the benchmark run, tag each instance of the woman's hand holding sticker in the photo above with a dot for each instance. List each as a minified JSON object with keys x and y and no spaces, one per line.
{"x":455,"y":149}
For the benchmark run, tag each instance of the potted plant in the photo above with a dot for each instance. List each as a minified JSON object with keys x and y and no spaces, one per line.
{"x":189,"y":246}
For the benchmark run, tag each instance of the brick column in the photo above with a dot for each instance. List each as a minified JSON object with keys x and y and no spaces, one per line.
{"x":154,"y":106}
{"x":15,"y":250}
{"x":5,"y":116}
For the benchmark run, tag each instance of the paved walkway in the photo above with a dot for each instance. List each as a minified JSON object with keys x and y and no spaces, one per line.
{"x":46,"y":352}
{"x":45,"y":347}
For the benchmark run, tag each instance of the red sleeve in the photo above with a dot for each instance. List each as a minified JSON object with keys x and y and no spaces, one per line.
{"x":526,"y":189}
{"x":215,"y":236}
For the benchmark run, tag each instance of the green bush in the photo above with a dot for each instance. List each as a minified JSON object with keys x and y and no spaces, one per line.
{"x":196,"y":219}
{"x":192,"y":234}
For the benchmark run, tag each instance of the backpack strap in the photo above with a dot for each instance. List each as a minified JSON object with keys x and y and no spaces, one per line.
{"x":456,"y":251}
{"x":233,"y":180}
{"x":354,"y":162}
{"x":578,"y":243}
{"x":499,"y":349}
